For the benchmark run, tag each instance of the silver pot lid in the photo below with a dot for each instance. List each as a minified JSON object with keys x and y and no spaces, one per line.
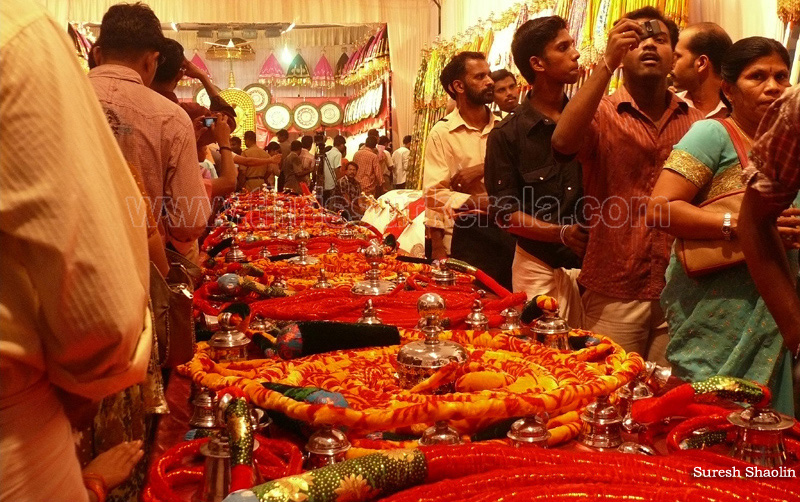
{"x":229,"y":336}
{"x":550,"y":324}
{"x":511,"y":319}
{"x":327,"y":441}
{"x":760,"y":419}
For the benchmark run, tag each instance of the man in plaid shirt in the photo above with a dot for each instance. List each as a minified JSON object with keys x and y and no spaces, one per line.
{"x":773,"y":181}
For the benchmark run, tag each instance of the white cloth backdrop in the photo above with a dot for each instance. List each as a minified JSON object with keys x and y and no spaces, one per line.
{"x":409,"y":23}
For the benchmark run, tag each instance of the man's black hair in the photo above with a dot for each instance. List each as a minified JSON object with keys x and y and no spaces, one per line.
{"x":283,"y":133}
{"x":406,"y":139}
{"x":128,"y":30}
{"x":272,"y":146}
{"x":371,"y":142}
{"x":373,"y":132}
{"x":236,"y":139}
{"x":339,"y":140}
{"x":456,"y":69}
{"x":171,"y":61}
{"x":383,"y":140}
{"x":530,"y":40}
{"x":249,"y":136}
{"x":712,"y":41}
{"x":307,"y":142}
{"x":296,"y":146}
{"x":502,"y":74}
{"x":651,"y":12}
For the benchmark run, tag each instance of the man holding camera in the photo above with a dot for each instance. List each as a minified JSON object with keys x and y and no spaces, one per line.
{"x":622,"y":142}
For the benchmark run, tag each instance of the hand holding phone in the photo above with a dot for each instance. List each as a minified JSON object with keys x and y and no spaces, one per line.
{"x":207,"y":121}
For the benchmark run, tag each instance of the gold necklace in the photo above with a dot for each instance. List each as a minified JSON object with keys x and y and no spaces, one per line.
{"x":736,"y":124}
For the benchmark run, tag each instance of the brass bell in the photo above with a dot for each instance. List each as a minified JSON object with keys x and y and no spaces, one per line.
{"x":760,"y":436}
{"x":440,"y":433}
{"x":602,"y":425}
{"x":326,"y":446}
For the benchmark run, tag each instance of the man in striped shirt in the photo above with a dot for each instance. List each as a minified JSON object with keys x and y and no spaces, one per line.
{"x":622,"y":141}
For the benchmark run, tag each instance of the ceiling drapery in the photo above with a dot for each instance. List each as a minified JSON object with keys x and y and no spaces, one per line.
{"x":409,"y":27}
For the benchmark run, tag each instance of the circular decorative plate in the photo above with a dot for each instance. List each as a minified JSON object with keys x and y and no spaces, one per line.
{"x":201,"y":98}
{"x":306,"y":116}
{"x":331,"y":113}
{"x":277,"y":116}
{"x":260,"y":94}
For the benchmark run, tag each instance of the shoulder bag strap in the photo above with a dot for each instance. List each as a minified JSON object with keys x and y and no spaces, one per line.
{"x":737,"y":140}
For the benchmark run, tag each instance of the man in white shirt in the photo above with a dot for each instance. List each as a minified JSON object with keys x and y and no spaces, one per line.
{"x":75,"y":275}
{"x":331,"y":166}
{"x":696,"y":72}
{"x":385,"y":159}
{"x":400,"y":161}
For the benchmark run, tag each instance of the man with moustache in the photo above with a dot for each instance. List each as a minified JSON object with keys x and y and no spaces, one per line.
{"x":506,"y":91}
{"x":455,"y":195}
{"x":698,"y":62}
{"x":534,"y":197}
{"x":622,"y":142}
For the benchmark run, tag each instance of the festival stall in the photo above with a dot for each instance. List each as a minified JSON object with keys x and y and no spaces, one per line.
{"x":329,"y":367}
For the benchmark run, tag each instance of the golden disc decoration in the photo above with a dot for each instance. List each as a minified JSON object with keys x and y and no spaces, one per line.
{"x":306,"y":117}
{"x":260,"y":95}
{"x":331,"y":113}
{"x":277,"y":116}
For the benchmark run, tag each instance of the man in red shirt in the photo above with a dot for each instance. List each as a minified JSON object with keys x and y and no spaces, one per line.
{"x":622,"y":142}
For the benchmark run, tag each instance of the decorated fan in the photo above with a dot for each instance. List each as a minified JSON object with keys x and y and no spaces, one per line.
{"x":260,"y":95}
{"x":197,"y":61}
{"x":298,"y":72}
{"x":306,"y":117}
{"x":277,"y":116}
{"x":330,"y":114}
{"x":323,"y":73}
{"x":271,"y":71}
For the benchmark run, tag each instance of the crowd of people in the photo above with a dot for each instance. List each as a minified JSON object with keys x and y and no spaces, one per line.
{"x":599,"y":201}
{"x":625,"y":207}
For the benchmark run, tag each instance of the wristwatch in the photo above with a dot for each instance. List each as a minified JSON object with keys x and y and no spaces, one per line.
{"x":727,"y":226}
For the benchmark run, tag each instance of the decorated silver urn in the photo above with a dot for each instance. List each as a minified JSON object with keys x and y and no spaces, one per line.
{"x":373,"y":285}
{"x":551,"y":330}
{"x":530,"y":431}
{"x":421,"y":359}
{"x":476,"y":320}
{"x":228,"y":344}
{"x":326,"y":446}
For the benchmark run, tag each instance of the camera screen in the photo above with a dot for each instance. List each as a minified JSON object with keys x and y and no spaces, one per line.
{"x":207,"y":121}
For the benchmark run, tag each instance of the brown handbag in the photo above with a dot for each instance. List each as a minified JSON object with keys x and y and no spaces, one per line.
{"x":172,"y":314}
{"x":700,"y":257}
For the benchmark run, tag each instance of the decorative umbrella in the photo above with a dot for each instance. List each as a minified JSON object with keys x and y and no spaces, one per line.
{"x":271,"y":71}
{"x":343,"y":59}
{"x":323,"y":73}
{"x":298,"y":72}
{"x":198,"y":61}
